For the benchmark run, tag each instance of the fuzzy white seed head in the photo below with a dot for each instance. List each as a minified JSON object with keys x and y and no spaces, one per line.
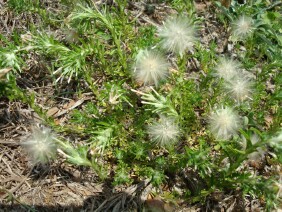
{"x":40,"y":145}
{"x":150,"y":67}
{"x":165,"y":132}
{"x":227,"y":68}
{"x":240,"y":88}
{"x":242,"y":27}
{"x":177,"y":34}
{"x":224,"y":122}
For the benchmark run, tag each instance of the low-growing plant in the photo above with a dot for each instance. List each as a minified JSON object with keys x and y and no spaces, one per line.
{"x":154,"y":117}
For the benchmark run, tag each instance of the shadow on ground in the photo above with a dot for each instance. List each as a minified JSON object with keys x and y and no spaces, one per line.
{"x":90,"y":204}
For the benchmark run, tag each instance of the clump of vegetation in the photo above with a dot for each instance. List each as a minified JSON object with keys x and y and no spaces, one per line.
{"x":150,"y":118}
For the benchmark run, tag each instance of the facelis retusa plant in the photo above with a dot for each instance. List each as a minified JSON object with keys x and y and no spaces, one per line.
{"x":150,"y":67}
{"x":164,"y":107}
{"x":69,"y":62}
{"x":160,"y":103}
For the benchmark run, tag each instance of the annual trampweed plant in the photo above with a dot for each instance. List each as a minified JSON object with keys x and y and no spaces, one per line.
{"x":177,"y":34}
{"x":207,"y":121}
{"x":224,"y":123}
{"x":40,"y":146}
{"x":165,"y":132}
{"x":150,"y":67}
{"x":242,"y":27}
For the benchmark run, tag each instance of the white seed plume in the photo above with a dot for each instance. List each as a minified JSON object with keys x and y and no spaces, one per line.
{"x":40,"y":145}
{"x":150,"y":67}
{"x":227,"y":68}
{"x":242,"y":27}
{"x":177,"y":34}
{"x":224,"y":122}
{"x":240,"y":88}
{"x":165,"y":132}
